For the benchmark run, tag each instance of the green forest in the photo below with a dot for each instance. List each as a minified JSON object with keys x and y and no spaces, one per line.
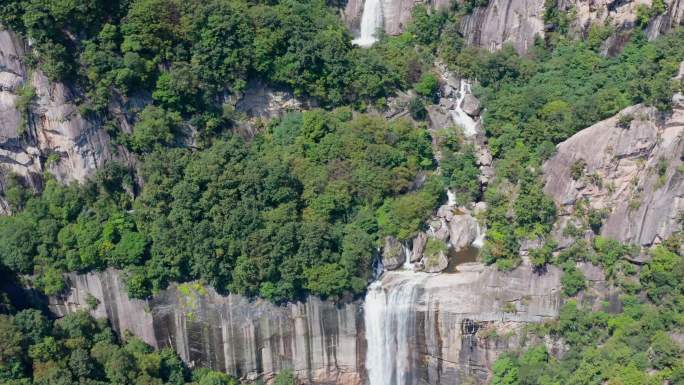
{"x":303,"y":206}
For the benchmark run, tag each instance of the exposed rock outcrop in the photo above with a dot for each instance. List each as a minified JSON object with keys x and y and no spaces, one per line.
{"x":463,"y":230}
{"x":50,"y":134}
{"x":321,"y":341}
{"x":435,"y":261}
{"x":630,"y":167}
{"x":393,"y":254}
{"x":515,"y":22}
{"x":519,"y":22}
{"x":457,"y":316}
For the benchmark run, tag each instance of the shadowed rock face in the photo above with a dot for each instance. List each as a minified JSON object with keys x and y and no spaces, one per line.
{"x":324,"y":342}
{"x":632,"y":172}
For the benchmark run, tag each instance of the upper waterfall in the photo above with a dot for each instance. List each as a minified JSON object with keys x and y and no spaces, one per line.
{"x":371,"y":21}
{"x":459,"y":116}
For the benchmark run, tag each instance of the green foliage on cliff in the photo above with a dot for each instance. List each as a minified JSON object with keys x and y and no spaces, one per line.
{"x":631,"y":341}
{"x":190,"y":55}
{"x":299,"y":209}
{"x":77,"y":349}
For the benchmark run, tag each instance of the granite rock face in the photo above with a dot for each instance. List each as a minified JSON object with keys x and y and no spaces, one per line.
{"x":458,"y":316}
{"x":631,"y":169}
{"x":324,"y":342}
{"x":393,"y":254}
{"x":518,"y":22}
{"x":463,"y":230}
{"x":51,"y":127}
{"x":515,"y":22}
{"x":320,"y":341}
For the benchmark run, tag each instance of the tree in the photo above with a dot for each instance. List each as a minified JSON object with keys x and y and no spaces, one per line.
{"x":284,"y":377}
{"x":427,"y":86}
{"x":17,"y":243}
{"x":572,"y":280}
{"x":221,"y":55}
{"x":155,"y":127}
{"x":505,"y":372}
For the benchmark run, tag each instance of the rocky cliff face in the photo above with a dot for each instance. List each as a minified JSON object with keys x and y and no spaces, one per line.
{"x":515,"y":22}
{"x":466,"y":319}
{"x":41,"y":128}
{"x":628,"y":167}
{"x":518,"y":22}
{"x":323,"y":342}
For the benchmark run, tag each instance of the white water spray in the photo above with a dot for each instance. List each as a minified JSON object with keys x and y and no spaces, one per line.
{"x":371,"y":21}
{"x":459,"y":116}
{"x":408,"y":253}
{"x":479,"y":240}
{"x":390,"y":320}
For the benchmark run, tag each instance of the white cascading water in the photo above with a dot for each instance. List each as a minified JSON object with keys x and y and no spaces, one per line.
{"x":459,"y":116}
{"x":408,"y":252}
{"x":371,"y":21}
{"x":390,"y":321}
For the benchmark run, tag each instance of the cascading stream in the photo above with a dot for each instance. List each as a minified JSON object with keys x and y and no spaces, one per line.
{"x":459,"y":116}
{"x":390,"y":320}
{"x":371,"y":21}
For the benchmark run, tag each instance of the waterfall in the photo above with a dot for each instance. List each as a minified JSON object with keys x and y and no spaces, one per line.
{"x":390,"y":320}
{"x":408,"y":253}
{"x":459,"y":116}
{"x":371,"y":21}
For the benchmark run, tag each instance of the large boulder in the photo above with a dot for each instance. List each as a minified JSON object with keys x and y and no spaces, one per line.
{"x":418,"y":247}
{"x":470,"y":105}
{"x":435,"y":258}
{"x":463,"y":230}
{"x":393,"y":255}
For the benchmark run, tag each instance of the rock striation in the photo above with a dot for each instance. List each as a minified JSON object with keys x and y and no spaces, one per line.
{"x":515,"y":22}
{"x":519,"y":22}
{"x":322,"y":342}
{"x":463,"y":321}
{"x":628,"y":167}
{"x":457,"y":318}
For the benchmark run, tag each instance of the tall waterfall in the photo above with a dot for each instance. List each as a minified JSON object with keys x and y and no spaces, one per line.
{"x":371,"y":21}
{"x":390,"y":321}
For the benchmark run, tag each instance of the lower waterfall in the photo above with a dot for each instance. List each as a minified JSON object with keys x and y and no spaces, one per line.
{"x":390,"y":322}
{"x":371,"y":21}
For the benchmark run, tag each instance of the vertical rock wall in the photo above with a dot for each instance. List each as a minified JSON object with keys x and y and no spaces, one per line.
{"x":463,"y":322}
{"x":321,"y":341}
